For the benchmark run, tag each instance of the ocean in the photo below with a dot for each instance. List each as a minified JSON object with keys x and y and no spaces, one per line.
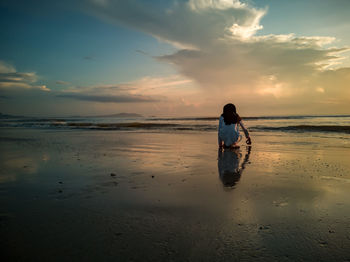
{"x":336,"y":125}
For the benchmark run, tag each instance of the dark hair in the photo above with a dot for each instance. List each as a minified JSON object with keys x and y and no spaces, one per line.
{"x":229,"y":114}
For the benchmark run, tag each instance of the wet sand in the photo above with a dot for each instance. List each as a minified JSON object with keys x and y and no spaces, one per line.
{"x":142,"y":196}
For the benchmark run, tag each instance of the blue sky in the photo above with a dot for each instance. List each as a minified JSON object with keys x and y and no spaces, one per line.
{"x":66,"y":44}
{"x":174,"y":57}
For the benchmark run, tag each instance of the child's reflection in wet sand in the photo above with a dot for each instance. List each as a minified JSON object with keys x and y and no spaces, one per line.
{"x":230,"y":169}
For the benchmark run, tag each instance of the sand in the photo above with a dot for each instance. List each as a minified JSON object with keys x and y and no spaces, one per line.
{"x":143,"y":196}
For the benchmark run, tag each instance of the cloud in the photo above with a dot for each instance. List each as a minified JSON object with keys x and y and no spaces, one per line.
{"x":6,"y":68}
{"x":190,"y":23}
{"x":172,"y":94}
{"x":144,"y":90}
{"x":113,"y":89}
{"x":218,"y":48}
{"x":11,"y":79}
{"x":108,"y":98}
{"x":59,"y":82}
{"x":82,"y":99}
{"x":157,"y":85}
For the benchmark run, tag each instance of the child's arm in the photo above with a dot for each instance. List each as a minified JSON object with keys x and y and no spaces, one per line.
{"x":220,"y":142}
{"x":246,"y":133}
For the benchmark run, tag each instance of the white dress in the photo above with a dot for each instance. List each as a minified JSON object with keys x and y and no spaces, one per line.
{"x":229,"y":134}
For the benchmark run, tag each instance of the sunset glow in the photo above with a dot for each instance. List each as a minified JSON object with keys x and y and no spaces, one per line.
{"x":174,"y":58}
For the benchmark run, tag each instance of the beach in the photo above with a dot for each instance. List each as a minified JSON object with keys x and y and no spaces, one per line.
{"x":155,"y":195}
{"x":175,"y":130}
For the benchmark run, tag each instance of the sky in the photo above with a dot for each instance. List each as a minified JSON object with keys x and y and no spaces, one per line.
{"x":174,"y":57}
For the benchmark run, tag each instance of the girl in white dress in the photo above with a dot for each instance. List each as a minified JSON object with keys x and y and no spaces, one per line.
{"x":228,"y":133}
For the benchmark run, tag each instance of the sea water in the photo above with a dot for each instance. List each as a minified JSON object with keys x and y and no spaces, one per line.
{"x":337,"y":125}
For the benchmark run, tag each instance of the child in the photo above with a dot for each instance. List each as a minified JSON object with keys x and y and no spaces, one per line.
{"x":228,"y":128}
